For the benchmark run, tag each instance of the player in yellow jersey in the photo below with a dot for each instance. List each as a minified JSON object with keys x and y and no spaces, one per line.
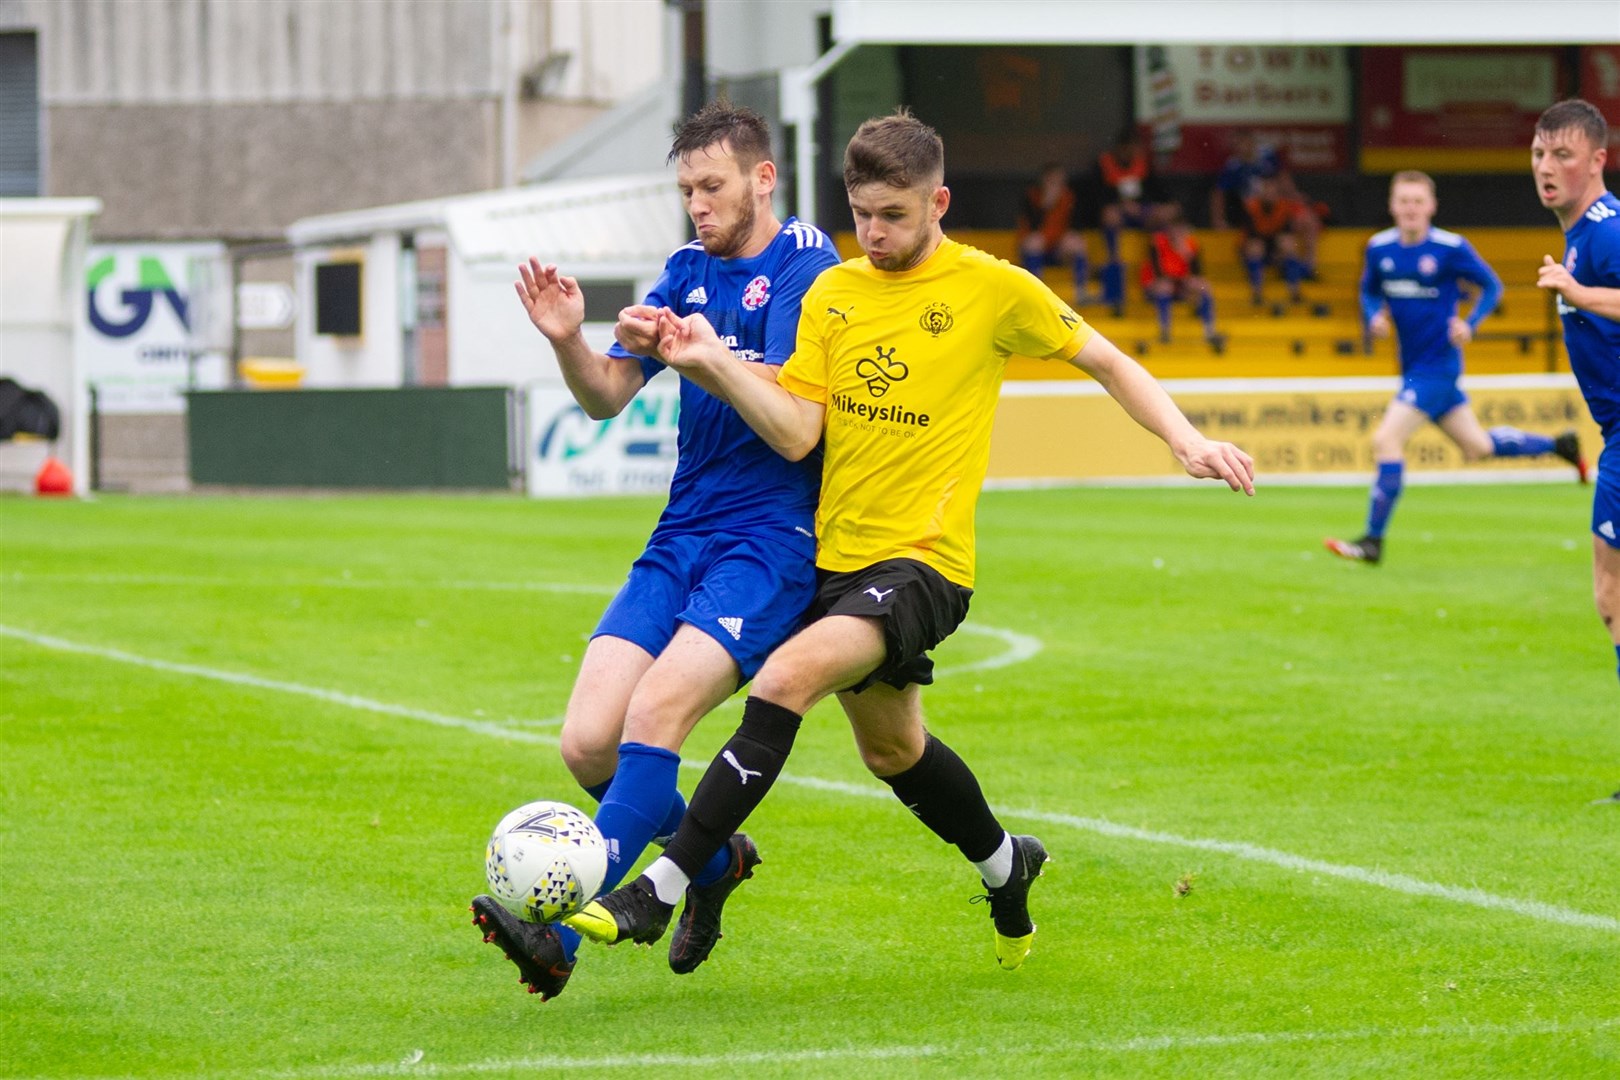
{"x":898,"y":364}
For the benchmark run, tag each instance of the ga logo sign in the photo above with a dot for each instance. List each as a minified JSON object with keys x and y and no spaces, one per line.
{"x":127,"y":315}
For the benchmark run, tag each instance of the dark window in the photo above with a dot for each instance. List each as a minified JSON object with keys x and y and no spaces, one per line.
{"x":605,"y":299}
{"x":19,"y":115}
{"x":337,"y":298}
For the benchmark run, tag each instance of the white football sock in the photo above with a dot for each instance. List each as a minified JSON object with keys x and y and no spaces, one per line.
{"x":997,"y":869}
{"x":670,"y":883}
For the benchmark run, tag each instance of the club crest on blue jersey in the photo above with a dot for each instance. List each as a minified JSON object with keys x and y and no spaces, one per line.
{"x":756,"y":293}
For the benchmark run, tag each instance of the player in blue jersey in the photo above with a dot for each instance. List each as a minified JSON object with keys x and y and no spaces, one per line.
{"x":1567,"y":156}
{"x":1410,"y":282}
{"x":729,"y":569}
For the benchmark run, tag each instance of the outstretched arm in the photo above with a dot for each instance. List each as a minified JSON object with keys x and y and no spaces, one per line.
{"x":1140,"y":394}
{"x":602,"y":384}
{"x":789,"y":424}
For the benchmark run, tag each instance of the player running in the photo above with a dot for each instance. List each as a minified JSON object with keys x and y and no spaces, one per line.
{"x":1567,"y":155}
{"x":1410,"y":281}
{"x":899,"y":361}
{"x":728,"y":570}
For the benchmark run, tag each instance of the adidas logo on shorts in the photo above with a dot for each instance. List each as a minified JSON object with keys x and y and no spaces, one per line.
{"x":1607,"y":529}
{"x":731,"y":625}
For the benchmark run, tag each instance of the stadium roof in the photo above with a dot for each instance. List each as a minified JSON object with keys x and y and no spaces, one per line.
{"x":604,"y":222}
{"x":1219,"y":22}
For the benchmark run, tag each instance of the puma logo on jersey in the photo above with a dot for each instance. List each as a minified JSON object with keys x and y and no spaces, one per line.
{"x":735,"y":764}
{"x":841,"y":314}
{"x":878,"y":594}
{"x":731,"y":625}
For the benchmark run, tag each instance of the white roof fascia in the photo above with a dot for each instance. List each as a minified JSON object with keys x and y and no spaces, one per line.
{"x":1225,"y":22}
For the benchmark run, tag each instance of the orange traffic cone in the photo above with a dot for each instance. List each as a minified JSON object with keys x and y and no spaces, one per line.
{"x":53,"y":478}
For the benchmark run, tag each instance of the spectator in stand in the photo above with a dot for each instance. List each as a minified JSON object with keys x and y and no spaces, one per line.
{"x":1173,"y":270}
{"x":1131,"y":197}
{"x":1046,"y":232}
{"x":1271,"y":238}
{"x":1245,"y":165}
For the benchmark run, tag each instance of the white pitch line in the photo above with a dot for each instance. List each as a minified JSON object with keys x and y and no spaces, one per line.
{"x":1020,"y":647}
{"x":1531,"y":909}
{"x":200,"y":582}
{"x":1142,"y":1044}
{"x":335,"y":697}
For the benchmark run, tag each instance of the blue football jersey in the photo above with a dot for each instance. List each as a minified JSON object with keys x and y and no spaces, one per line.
{"x":1592,"y":256}
{"x":1419,"y":285}
{"x":725,"y":475}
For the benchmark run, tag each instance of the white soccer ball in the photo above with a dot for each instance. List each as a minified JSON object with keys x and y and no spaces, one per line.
{"x":545,"y":860}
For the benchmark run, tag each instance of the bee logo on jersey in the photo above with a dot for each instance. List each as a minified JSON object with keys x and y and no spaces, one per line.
{"x":881,"y":372}
{"x":756,"y":293}
{"x":936,"y":319}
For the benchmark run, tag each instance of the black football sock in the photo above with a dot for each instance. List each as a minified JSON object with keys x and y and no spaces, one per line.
{"x":944,"y":794}
{"x":735,"y":783}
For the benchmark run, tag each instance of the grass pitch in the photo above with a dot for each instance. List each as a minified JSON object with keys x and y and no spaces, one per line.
{"x":1309,"y":818}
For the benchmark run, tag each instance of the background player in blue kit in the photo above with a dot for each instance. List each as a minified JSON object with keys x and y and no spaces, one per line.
{"x":729,"y":568}
{"x":1567,"y":156}
{"x":1411,"y":281}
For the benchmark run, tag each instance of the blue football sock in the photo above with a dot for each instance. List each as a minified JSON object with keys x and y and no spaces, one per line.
{"x":1257,"y":270}
{"x":1035,"y":264}
{"x":569,"y":937}
{"x":715,"y":868}
{"x":1386,"y":489}
{"x":1293,"y":274}
{"x":1511,"y":442}
{"x":1113,"y":283}
{"x":1082,"y":274}
{"x":1206,"y":312}
{"x":1111,"y":238}
{"x":636,"y":805}
{"x":677,"y":809}
{"x":1162,"y":303}
{"x":672,"y":821}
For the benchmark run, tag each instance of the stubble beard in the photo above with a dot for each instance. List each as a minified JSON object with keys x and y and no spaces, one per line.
{"x":726,"y":245}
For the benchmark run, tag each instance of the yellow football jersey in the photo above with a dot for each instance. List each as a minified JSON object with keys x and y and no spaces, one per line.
{"x":909,"y":366}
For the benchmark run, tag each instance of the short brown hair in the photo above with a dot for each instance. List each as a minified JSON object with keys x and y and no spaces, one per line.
{"x":1411,"y":176}
{"x":742,"y":129}
{"x":898,"y":150}
{"x":1575,"y":114}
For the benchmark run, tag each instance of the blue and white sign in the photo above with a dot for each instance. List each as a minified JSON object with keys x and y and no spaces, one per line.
{"x":633,"y":453}
{"x":149,"y":322}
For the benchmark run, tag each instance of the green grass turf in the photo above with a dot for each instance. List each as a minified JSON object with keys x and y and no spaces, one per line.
{"x":206,"y":879}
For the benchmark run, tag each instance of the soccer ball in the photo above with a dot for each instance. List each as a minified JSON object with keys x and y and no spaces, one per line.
{"x":545,"y":860}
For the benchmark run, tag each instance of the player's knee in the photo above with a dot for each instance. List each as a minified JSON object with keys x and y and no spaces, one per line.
{"x":891,"y":752}
{"x":590,"y":756}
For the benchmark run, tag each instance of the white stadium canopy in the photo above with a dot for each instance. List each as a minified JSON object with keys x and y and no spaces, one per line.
{"x":1220,"y":22}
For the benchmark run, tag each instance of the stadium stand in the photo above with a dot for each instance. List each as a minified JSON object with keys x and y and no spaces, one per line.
{"x":1320,"y":337}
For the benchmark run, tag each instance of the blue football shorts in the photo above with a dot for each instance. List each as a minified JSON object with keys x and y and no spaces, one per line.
{"x":1606,"y":495}
{"x":747,"y":592}
{"x":1435,"y":397}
